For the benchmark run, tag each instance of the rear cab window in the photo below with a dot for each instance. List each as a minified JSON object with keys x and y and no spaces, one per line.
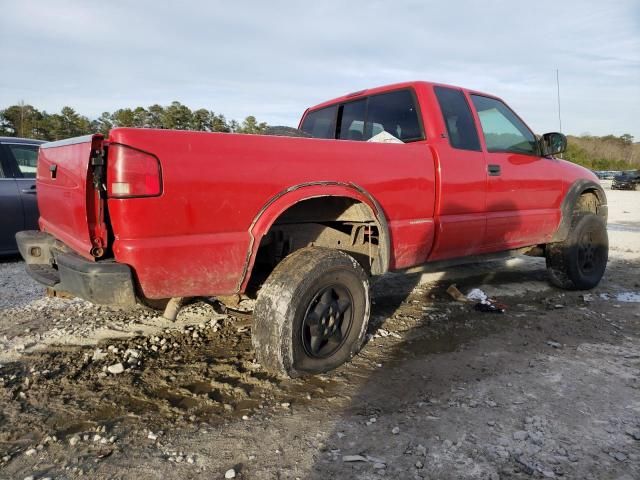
{"x":395,"y":112}
{"x":352,"y":118}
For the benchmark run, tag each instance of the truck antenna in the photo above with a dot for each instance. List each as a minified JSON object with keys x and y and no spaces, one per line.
{"x":558,"y":90}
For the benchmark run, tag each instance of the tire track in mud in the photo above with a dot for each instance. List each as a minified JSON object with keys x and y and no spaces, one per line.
{"x":202,"y":373}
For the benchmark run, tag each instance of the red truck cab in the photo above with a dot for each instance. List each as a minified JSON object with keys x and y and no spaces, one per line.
{"x":392,"y":178}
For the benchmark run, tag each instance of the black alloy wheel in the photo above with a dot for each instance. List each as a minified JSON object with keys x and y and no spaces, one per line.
{"x":587,"y":253}
{"x":327,"y":321}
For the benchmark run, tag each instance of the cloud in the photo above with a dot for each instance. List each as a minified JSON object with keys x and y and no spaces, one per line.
{"x":274,"y":59}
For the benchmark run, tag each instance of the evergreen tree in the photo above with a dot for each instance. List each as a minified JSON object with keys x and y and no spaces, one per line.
{"x":67,"y":124}
{"x":103,"y":124}
{"x":177,"y":116}
{"x":140,"y":117}
{"x":123,"y":117}
{"x":219,"y":123}
{"x":201,"y":120}
{"x":21,"y":121}
{"x":155,"y":114}
{"x":251,"y":125}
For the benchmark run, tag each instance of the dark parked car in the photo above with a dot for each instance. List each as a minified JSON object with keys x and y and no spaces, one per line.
{"x":18,"y":207}
{"x":605,"y":174}
{"x":628,"y":180}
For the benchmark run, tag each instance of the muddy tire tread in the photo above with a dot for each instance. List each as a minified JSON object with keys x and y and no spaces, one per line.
{"x":272,"y":316}
{"x":558,"y":270}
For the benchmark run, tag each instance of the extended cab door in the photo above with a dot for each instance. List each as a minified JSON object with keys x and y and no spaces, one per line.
{"x":460,"y":209}
{"x":523,"y":188}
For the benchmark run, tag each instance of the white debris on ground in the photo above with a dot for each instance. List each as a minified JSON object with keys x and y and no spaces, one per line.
{"x":627,"y":297}
{"x":477,"y":295}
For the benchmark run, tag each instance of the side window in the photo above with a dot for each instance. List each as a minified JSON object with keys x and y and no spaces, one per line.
{"x":26,"y":157}
{"x":321,"y":123}
{"x":456,"y":113}
{"x":503,"y":130}
{"x":352,"y":120}
{"x":395,"y":113}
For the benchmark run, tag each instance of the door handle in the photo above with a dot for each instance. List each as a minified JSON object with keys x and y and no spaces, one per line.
{"x":30,"y":191}
{"x":494,"y":170}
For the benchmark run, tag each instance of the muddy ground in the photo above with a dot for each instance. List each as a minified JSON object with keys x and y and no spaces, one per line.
{"x":549,"y":389}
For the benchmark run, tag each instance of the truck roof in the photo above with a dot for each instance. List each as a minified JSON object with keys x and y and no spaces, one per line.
{"x":392,"y":86}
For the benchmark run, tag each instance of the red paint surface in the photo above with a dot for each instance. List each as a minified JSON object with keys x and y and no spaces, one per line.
{"x":221,"y":192}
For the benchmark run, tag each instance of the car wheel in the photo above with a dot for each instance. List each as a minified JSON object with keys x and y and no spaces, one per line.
{"x":579,"y":262}
{"x":311,"y":313}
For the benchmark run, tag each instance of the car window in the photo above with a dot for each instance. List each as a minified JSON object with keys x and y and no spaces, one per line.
{"x":321,"y":123}
{"x":461,"y":127}
{"x":395,"y":113}
{"x":26,"y":157}
{"x":503,"y":130}
{"x":352,"y":120}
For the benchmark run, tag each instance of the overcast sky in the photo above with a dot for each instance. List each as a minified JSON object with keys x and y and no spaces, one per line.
{"x":272,"y":59}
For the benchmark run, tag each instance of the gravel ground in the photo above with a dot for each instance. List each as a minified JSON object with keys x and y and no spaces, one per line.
{"x":550,"y":389}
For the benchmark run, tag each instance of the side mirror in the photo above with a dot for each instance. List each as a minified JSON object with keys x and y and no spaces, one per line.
{"x":553,"y":143}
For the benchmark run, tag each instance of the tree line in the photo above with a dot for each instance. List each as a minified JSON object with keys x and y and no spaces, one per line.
{"x":26,"y":121}
{"x":604,"y":153}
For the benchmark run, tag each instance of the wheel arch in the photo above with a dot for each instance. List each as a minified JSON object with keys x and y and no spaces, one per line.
{"x":297,"y":194}
{"x":572,"y":198}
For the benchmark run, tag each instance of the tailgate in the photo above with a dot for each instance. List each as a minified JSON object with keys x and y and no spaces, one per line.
{"x":69,"y":184}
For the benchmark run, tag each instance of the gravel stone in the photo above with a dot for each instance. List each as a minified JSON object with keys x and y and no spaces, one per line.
{"x":115,"y":368}
{"x":520,"y":435}
{"x":353,"y":458}
{"x":621,"y":457}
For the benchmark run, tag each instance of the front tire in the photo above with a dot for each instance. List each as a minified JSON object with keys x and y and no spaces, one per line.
{"x":312,"y":313}
{"x":579,"y":262}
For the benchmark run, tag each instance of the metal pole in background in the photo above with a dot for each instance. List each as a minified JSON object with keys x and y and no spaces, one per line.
{"x":558,"y":90}
{"x":558,"y":85}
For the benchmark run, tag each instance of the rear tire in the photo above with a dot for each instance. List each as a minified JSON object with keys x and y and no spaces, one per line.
{"x":579,"y":262}
{"x":312,"y":313}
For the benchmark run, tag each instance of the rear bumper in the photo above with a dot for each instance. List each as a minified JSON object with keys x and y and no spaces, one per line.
{"x":51,"y":264}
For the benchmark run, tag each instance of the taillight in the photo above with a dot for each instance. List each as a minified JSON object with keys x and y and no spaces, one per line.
{"x":132,"y":173}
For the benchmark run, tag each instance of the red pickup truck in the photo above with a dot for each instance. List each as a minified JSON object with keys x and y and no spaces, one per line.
{"x":157,"y":214}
